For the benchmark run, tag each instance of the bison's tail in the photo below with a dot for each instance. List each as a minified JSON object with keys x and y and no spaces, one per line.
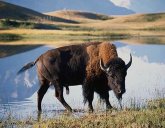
{"x":27,"y":66}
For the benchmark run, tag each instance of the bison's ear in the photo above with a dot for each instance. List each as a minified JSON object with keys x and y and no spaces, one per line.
{"x":129,"y":63}
{"x":103,"y":67}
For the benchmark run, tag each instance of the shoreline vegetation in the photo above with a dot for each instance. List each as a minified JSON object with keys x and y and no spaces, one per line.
{"x":152,"y":116}
{"x":15,"y":37}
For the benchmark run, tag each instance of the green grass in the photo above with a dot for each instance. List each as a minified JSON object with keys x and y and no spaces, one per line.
{"x":83,"y":37}
{"x":69,"y":36}
{"x":153,"y":28}
{"x":153,"y":17}
{"x":11,"y":24}
{"x":10,"y":37}
{"x":8,"y":24}
{"x":153,"y":116}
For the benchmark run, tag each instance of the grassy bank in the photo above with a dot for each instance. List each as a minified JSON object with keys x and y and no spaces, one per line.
{"x":30,"y":37}
{"x":62,"y":35}
{"x":7,"y":37}
{"x":72,"y":35}
{"x":151,"y":117}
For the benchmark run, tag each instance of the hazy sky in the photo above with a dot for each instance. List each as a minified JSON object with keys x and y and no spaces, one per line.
{"x":142,"y":6}
{"x":138,"y":6}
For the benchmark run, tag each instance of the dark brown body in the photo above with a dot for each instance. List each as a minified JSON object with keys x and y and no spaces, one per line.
{"x":75,"y":65}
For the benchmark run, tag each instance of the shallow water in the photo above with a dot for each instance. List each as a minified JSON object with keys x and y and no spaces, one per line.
{"x":18,"y":94}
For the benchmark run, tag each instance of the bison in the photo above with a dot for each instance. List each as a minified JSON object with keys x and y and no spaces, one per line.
{"x":95,"y":66}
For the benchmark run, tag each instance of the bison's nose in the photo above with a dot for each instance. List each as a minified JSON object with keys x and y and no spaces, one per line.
{"x":119,"y":91}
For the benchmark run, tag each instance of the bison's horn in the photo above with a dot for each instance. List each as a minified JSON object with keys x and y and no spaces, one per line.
{"x":105,"y":69}
{"x":130,"y":62}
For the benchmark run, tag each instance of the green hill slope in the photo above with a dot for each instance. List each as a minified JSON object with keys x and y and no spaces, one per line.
{"x":11,"y":11}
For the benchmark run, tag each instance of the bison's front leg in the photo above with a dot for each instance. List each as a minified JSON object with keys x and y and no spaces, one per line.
{"x":90,"y":99}
{"x":59,"y":96}
{"x":104,"y":94}
{"x":108,"y":105}
{"x":88,"y":93}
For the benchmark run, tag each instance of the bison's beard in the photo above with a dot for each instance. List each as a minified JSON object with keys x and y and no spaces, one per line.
{"x":120,"y":103}
{"x":119,"y":97}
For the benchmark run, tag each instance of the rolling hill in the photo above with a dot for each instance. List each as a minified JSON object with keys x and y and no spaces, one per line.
{"x":11,"y":11}
{"x":15,"y":12}
{"x":78,"y":15}
{"x":96,"y":6}
{"x":151,"y":17}
{"x":154,"y":21}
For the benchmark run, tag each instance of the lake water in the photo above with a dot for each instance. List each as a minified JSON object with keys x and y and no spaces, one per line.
{"x":18,"y":94}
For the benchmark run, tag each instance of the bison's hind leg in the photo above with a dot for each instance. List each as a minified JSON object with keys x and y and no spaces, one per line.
{"x":59,"y":94}
{"x":43,"y":89}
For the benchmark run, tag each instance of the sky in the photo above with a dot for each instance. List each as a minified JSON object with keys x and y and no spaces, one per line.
{"x":138,"y":6}
{"x":142,"y":6}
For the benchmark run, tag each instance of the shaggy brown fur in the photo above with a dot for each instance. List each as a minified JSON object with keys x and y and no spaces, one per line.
{"x":105,"y":51}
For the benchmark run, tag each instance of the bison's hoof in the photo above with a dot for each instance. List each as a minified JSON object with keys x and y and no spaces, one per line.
{"x":39,"y":110}
{"x":70,"y":110}
{"x":90,"y":111}
{"x":109,"y":108}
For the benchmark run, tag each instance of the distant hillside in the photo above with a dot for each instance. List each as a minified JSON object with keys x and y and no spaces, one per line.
{"x":71,"y":14}
{"x":154,"y":21}
{"x":95,"y":6}
{"x":11,"y":11}
{"x":152,"y":17}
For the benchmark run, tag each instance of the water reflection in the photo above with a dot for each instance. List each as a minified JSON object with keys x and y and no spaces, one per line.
{"x":8,"y":50}
{"x":153,"y":53}
{"x":16,"y":88}
{"x":145,"y":78}
{"x":18,"y":94}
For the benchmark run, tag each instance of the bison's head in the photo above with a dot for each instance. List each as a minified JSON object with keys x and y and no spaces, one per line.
{"x":116,"y":71}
